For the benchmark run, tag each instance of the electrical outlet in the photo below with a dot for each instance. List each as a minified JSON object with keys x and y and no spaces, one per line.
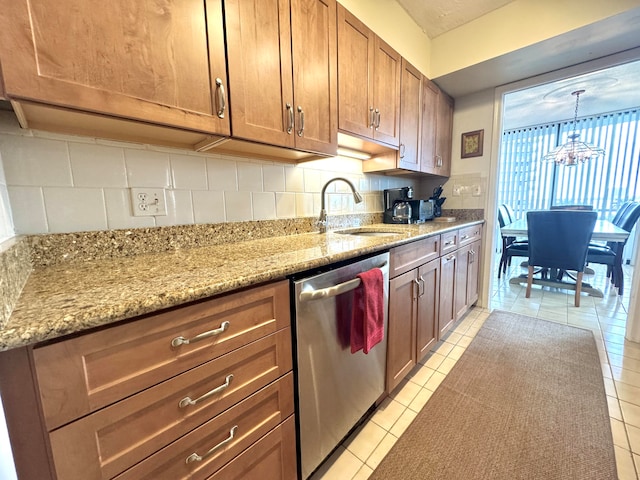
{"x":457,"y":190}
{"x":476,"y":191}
{"x":149,"y":202}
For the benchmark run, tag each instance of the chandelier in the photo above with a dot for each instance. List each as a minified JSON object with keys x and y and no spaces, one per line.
{"x":573,"y":151}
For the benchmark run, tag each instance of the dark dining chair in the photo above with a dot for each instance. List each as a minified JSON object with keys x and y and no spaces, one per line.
{"x":510,"y":246}
{"x":611,"y":253}
{"x":559,"y":239}
{"x":572,"y":207}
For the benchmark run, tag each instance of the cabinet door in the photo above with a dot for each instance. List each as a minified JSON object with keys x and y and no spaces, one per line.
{"x":428,"y":300}
{"x":272,"y":458}
{"x":355,"y":60}
{"x":428,"y":128}
{"x":387,"y":66}
{"x":472,"y":273}
{"x":410,"y":115}
{"x":444,"y":127}
{"x":315,"y":81}
{"x":401,"y":351}
{"x":260,"y":74}
{"x":462,"y":271}
{"x":447,"y":312}
{"x":126,"y":59}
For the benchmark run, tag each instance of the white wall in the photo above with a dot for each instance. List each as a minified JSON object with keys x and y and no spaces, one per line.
{"x":60,"y":183}
{"x":6,"y":222}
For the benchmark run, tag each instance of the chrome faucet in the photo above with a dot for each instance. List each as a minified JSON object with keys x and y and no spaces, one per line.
{"x":322,"y":220}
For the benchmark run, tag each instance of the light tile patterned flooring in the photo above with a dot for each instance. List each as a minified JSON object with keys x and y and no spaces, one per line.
{"x":359,"y":454}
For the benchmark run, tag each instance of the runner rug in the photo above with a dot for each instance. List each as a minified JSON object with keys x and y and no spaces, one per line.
{"x":525,"y":401}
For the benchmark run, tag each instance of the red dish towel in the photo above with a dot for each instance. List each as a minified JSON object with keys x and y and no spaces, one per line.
{"x":367,"y":322}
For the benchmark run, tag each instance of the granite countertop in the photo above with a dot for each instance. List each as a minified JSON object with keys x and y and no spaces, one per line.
{"x":68,"y":298}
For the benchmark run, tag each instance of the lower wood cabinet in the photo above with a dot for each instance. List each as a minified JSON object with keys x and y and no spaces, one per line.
{"x":434,"y":281}
{"x":183,"y":393}
{"x":413,"y":307}
{"x":447,"y":312}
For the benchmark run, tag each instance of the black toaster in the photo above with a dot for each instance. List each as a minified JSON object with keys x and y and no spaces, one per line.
{"x":421,"y":210}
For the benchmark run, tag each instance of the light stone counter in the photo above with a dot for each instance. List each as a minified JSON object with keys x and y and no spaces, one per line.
{"x":67,"y":298}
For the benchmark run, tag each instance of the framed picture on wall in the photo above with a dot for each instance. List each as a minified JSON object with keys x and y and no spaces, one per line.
{"x":472,"y":144}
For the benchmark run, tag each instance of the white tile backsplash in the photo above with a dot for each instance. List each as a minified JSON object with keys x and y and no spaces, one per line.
{"x":146,"y":168}
{"x":27,"y":209}
{"x":273,"y":178}
{"x":200,"y":187}
{"x":249,"y":177}
{"x":222,"y":174}
{"x":75,"y":209}
{"x":208,"y":206}
{"x":35,"y":161}
{"x":97,"y":166}
{"x":118,"y":204}
{"x":188,"y":172}
{"x":264,"y":205}
{"x":179,"y":209}
{"x":285,"y":205}
{"x":238,"y":206}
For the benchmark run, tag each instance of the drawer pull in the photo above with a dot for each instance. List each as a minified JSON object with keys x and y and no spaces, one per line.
{"x":176,"y":342}
{"x":448,"y":242}
{"x":194,"y":457}
{"x":464,"y":237}
{"x":451,"y":257}
{"x":186,"y":401}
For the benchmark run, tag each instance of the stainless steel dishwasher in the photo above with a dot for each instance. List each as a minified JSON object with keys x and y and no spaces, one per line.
{"x":335,"y":387}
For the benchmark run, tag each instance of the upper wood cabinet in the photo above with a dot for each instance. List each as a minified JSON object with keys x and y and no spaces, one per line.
{"x":368,"y":82}
{"x":282,"y":72}
{"x":163,"y":65}
{"x":437,"y":124}
{"x":410,"y":118}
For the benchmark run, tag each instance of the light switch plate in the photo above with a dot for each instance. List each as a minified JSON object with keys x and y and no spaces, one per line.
{"x":148,"y":202}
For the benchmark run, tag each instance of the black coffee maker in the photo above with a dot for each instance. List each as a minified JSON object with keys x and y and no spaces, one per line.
{"x":397,"y":205}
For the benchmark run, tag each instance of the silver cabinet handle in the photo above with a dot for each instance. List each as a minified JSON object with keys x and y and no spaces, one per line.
{"x":421,"y":280}
{"x":472,"y":253}
{"x":290,"y":127}
{"x":438,"y":160}
{"x":222,"y":98}
{"x":176,"y":342}
{"x":464,"y":237}
{"x":194,"y":457}
{"x":301,"y":114}
{"x":451,"y":257}
{"x":417,"y":293}
{"x":448,"y":242}
{"x":402,"y":150}
{"x":372,"y":118}
{"x":377,"y":119}
{"x":186,"y":401}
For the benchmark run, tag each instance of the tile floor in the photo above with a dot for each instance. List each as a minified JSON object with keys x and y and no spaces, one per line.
{"x":359,"y":454}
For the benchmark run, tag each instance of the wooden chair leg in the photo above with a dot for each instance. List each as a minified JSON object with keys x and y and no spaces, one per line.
{"x":529,"y":281}
{"x":578,"y":288}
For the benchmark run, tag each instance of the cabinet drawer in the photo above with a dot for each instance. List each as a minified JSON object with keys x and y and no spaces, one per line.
{"x":470,"y":234}
{"x":249,"y":421}
{"x":273,"y":457}
{"x":82,"y":374}
{"x":412,"y":255}
{"x":109,"y":441}
{"x":449,"y":242}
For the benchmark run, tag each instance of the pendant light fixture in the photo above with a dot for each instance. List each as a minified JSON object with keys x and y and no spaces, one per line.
{"x":573,"y":151}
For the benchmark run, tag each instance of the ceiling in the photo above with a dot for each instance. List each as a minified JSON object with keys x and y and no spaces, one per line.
{"x":608,"y":90}
{"x":436,"y":17}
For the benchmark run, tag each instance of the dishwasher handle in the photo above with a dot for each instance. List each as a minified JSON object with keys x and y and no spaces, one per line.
{"x":334,"y":290}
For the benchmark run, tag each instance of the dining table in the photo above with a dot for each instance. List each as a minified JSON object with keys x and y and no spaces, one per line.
{"x":603,"y":231}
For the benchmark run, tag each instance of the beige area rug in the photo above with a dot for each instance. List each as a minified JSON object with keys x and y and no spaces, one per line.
{"x":525,"y":401}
